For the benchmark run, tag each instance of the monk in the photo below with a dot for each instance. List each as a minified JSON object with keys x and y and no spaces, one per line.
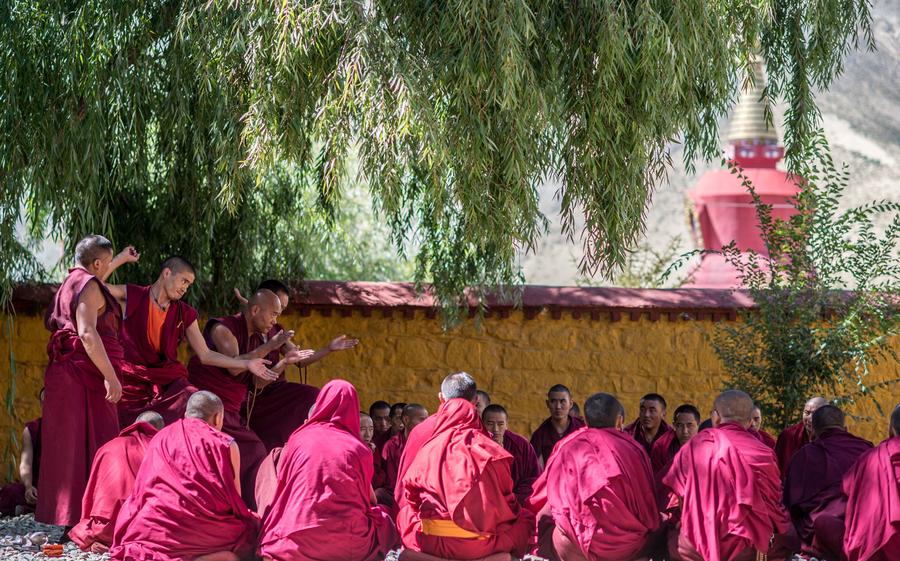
{"x":482,"y":400}
{"x":651,"y":431}
{"x":81,"y":380}
{"x":729,"y":490}
{"x":156,"y":322}
{"x":367,"y":435}
{"x":380,"y":412}
{"x":186,"y":502}
{"x":457,"y":490}
{"x":685,"y":425}
{"x":412,"y":415}
{"x":112,"y":479}
{"x":595,"y":499}
{"x":323,"y":506}
{"x":397,"y":418}
{"x":794,"y":437}
{"x":559,"y":425}
{"x":525,"y":468}
{"x":22,"y":495}
{"x":812,"y":490}
{"x":267,"y":481}
{"x":250,"y":334}
{"x":757,"y":431}
{"x":872,"y":487}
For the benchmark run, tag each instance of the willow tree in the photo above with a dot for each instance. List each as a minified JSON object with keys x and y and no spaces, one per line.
{"x":163,"y":122}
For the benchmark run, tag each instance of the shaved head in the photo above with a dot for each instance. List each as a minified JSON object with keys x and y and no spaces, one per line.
{"x":204,"y":405}
{"x":734,"y":406}
{"x":177,"y":264}
{"x":809,"y":408}
{"x":91,"y":248}
{"x":264,"y":298}
{"x":459,"y":384}
{"x":263,"y":309}
{"x":827,"y":417}
{"x":151,"y":418}
{"x":603,"y":411}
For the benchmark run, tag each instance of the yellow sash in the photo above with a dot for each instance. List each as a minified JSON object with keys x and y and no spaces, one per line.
{"x":448,"y":529}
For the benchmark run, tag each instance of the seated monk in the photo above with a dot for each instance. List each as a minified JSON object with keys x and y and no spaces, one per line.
{"x":796,"y":436}
{"x":186,"y":502}
{"x":457,"y":491}
{"x":155,"y":323}
{"x":251,"y":334}
{"x":367,"y":435}
{"x":872,"y":487}
{"x":267,"y":481}
{"x":323,"y":506}
{"x":482,"y":400}
{"x":559,"y":425}
{"x":812,"y":490}
{"x":380,"y":412}
{"x":651,"y":430}
{"x":729,"y":490}
{"x":525,"y":468}
{"x":686,"y":423}
{"x":595,"y":499}
{"x":397,"y":418}
{"x":412,"y":415}
{"x":112,"y":478}
{"x":757,"y":431}
{"x":22,"y":496}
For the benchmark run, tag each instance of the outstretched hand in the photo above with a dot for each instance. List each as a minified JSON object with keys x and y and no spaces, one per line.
{"x":342,"y":343}
{"x":128,"y":255}
{"x":298,"y":355}
{"x":259,"y":368}
{"x":281,"y":338}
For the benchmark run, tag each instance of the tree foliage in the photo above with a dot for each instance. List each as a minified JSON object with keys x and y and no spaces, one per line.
{"x":158,"y":122}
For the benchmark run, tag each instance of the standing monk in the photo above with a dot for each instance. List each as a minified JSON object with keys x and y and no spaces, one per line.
{"x":872,"y":487}
{"x":250,"y":334}
{"x":156,"y":321}
{"x":756,"y":428}
{"x":81,"y":381}
{"x":186,"y":503}
{"x":458,"y":500}
{"x":112,"y":478}
{"x":729,"y":490}
{"x":651,"y":431}
{"x":812,"y":490}
{"x":525,"y":468}
{"x":412,"y":415}
{"x":323,"y":506}
{"x":559,"y":425}
{"x":595,"y":499}
{"x":794,"y":437}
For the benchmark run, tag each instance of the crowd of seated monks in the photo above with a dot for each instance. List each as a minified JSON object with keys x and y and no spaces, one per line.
{"x":145,"y":458}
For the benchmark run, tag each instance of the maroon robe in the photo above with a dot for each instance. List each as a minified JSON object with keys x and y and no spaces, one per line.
{"x":813,"y":488}
{"x":390,"y":457}
{"x":77,"y":418}
{"x":525,"y":469}
{"x":12,"y":495}
{"x":789,"y":441}
{"x":151,"y":380}
{"x":872,"y":487}
{"x":764,"y":437}
{"x":659,"y":449}
{"x":266,"y":481}
{"x":232,"y":390}
{"x":545,"y":437}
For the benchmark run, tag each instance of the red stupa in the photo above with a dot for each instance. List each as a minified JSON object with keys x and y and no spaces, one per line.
{"x":723,"y":209}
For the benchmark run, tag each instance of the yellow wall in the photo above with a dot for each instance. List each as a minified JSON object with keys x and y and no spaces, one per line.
{"x":515,"y":359}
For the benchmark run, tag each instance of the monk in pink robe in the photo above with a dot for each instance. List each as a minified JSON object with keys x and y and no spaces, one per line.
{"x":458,"y":500}
{"x":728,"y":488}
{"x":81,"y":381}
{"x":595,"y":499}
{"x":796,"y":436}
{"x":652,"y":432}
{"x":112,"y":478}
{"x":325,"y":476}
{"x":525,"y":468}
{"x":812,"y":490}
{"x":267,"y":481}
{"x":413,"y":414}
{"x":559,"y":425}
{"x":872,"y":487}
{"x":186,"y":502}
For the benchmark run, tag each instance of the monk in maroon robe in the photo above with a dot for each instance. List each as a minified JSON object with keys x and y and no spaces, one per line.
{"x":156,"y":322}
{"x":112,"y":478}
{"x":595,"y":499}
{"x":757,"y":431}
{"x":812,"y":490}
{"x":559,"y":425}
{"x":796,"y":436}
{"x":458,"y":500}
{"x":81,"y":381}
{"x":872,"y":487}
{"x":525,"y":468}
{"x":413,"y":415}
{"x":686,"y":424}
{"x":380,"y":412}
{"x":728,"y":488}
{"x":651,"y":430}
{"x":482,"y":400}
{"x":323,"y":506}
{"x":186,"y":502}
{"x":23,"y":495}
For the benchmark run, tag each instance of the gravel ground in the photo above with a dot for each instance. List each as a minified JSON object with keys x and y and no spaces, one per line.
{"x":15,"y":544}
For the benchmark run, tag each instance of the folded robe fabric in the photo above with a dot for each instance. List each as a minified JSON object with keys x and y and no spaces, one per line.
{"x":872,"y":486}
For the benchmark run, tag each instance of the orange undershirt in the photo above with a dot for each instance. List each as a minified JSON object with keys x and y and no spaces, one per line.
{"x":155,"y":320}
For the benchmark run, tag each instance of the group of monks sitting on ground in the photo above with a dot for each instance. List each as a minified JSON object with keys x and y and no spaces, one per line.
{"x":226,"y":460}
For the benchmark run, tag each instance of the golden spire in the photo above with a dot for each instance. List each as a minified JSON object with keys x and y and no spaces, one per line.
{"x":748,"y":122}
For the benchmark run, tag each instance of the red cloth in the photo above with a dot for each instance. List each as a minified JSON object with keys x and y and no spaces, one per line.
{"x":380,"y":439}
{"x":599,"y":487}
{"x":545,"y":437}
{"x":730,"y":493}
{"x":764,"y":437}
{"x":322,"y":508}
{"x":789,"y":441}
{"x":659,"y":449}
{"x":390,"y":460}
{"x":12,"y":495}
{"x":184,"y":503}
{"x":112,"y":478}
{"x":663,"y":452}
{"x":525,"y":469}
{"x":35,"y":431}
{"x":266,"y":481}
{"x":460,"y":474}
{"x":77,"y":418}
{"x":872,"y":487}
{"x":279,"y":409}
{"x":814,"y":477}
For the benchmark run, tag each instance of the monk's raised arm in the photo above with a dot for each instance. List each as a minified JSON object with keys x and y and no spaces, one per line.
{"x":236,"y":464}
{"x":26,"y":461}
{"x":90,"y":303}
{"x":235,"y":365}
{"x":127,"y":255}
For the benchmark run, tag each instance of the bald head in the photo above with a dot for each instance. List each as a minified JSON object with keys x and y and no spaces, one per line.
{"x":264,"y":298}
{"x":263,"y":309}
{"x":809,"y":408}
{"x":205,"y":406}
{"x":603,"y":411}
{"x":459,"y":385}
{"x":152,"y":418}
{"x":734,"y":406}
{"x":827,"y":417}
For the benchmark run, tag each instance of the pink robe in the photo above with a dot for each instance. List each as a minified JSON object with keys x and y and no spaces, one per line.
{"x":545,"y":437}
{"x":77,"y":418}
{"x":267,"y":481}
{"x":789,"y":441}
{"x":184,"y":503}
{"x":730,"y":493}
{"x":151,"y":380}
{"x":872,"y":487}
{"x":599,"y":489}
{"x":525,"y":469}
{"x":322,"y":508}
{"x":112,"y":478}
{"x":659,"y":449}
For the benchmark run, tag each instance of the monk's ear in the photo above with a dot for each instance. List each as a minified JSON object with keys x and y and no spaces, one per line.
{"x":620,"y":423}
{"x":441,"y":397}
